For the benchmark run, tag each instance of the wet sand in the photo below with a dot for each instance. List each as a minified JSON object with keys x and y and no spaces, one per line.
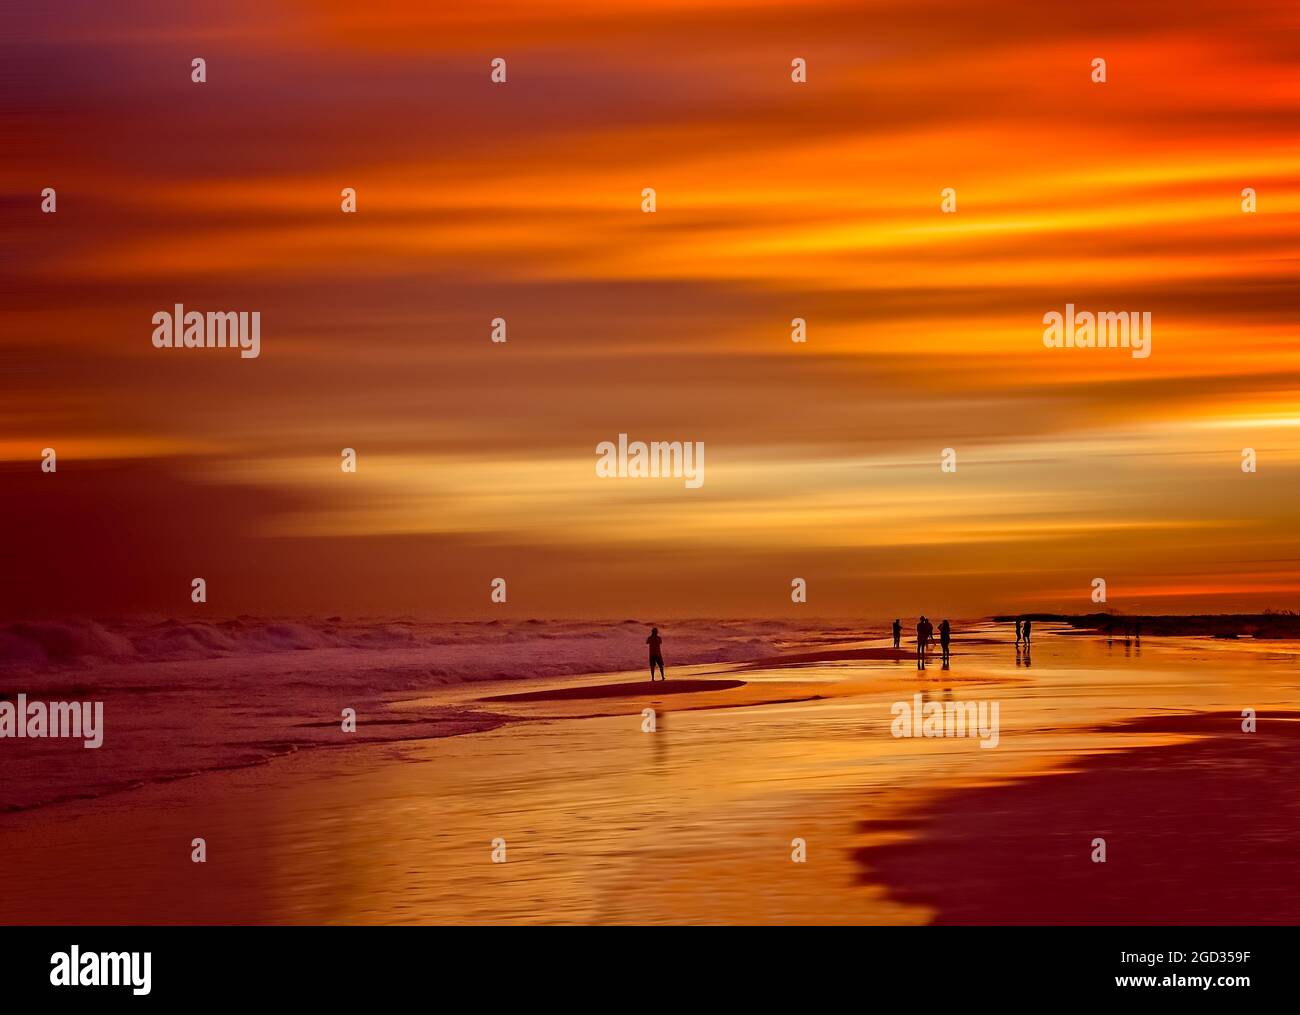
{"x":629,"y":689}
{"x":695,"y":822}
{"x":1196,"y":833}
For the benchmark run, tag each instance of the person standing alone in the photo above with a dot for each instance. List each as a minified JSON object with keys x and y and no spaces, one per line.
{"x":656,"y":653}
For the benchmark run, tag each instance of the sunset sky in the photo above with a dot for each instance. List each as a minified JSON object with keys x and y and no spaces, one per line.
{"x":776,"y":200}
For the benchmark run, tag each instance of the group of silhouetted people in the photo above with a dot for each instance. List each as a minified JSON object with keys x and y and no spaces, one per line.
{"x":1131,"y":632}
{"x":925,"y":632}
{"x":925,"y":635}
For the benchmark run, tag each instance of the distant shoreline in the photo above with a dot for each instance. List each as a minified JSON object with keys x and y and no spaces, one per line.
{"x":1280,"y":626}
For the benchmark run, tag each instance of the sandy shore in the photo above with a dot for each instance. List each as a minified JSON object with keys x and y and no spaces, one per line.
{"x":1198,"y":832}
{"x":696,"y":822}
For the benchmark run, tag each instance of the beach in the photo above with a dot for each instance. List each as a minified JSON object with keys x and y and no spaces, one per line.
{"x":787,"y":749}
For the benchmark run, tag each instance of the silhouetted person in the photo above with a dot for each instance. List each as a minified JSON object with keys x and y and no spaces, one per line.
{"x":898,"y":632}
{"x":945,"y":637}
{"x":656,"y":653}
{"x":922,"y":636}
{"x":1137,"y":631}
{"x":1017,"y":632}
{"x":1025,"y":631}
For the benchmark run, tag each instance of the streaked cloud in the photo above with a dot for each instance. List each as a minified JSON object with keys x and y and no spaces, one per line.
{"x":819,"y":201}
